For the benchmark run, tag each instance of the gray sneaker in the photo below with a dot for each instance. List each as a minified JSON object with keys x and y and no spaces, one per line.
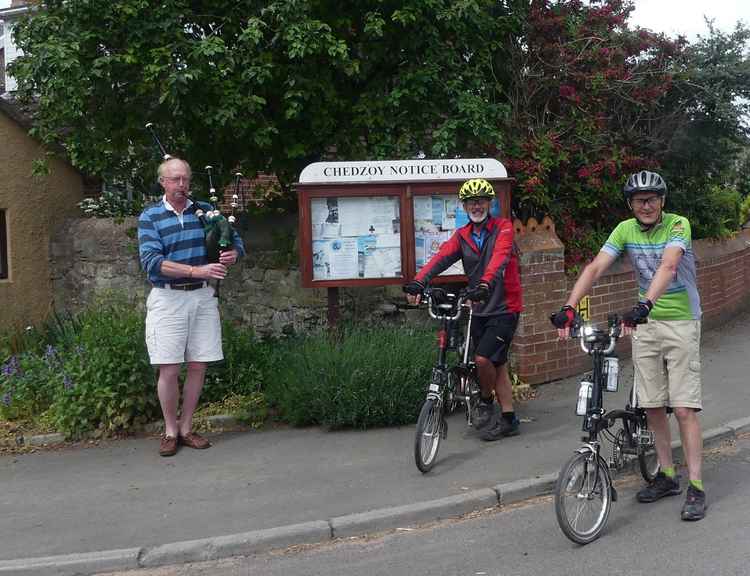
{"x":660,"y":487}
{"x":484,"y":415}
{"x":695,"y":504}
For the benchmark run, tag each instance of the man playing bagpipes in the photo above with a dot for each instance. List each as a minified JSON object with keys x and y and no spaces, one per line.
{"x":182,"y":315}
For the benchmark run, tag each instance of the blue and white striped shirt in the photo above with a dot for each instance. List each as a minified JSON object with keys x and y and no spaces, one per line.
{"x":163,"y":235}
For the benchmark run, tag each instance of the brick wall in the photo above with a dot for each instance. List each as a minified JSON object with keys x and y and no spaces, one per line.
{"x":723,"y":282}
{"x":255,"y":191}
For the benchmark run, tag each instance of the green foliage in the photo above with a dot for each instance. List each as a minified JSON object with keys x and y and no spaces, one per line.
{"x":597,"y":100}
{"x":240,"y":371}
{"x":110,"y":205}
{"x":93,"y":374}
{"x":713,"y":213}
{"x":369,"y":376}
{"x":745,"y":210}
{"x":263,"y":86}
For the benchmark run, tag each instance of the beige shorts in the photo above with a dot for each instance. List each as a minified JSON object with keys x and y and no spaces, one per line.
{"x":667,"y":362}
{"x":183,"y":326}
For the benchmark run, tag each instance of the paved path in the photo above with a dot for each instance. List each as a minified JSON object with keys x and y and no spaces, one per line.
{"x":122,"y":495}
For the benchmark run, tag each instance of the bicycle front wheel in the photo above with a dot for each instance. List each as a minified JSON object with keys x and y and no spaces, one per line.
{"x":583,"y":497}
{"x":429,"y":433}
{"x":647,"y":459}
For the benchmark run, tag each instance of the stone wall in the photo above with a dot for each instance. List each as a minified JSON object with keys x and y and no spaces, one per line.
{"x":264,"y":291}
{"x":92,"y":255}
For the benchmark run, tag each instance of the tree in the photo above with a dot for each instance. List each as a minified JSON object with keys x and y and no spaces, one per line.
{"x":595,"y":100}
{"x":263,"y":86}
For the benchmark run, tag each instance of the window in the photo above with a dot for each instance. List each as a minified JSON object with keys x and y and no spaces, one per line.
{"x":3,"y":247}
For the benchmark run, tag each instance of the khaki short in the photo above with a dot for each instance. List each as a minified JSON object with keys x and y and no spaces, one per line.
{"x":183,"y":326}
{"x":666,"y":357}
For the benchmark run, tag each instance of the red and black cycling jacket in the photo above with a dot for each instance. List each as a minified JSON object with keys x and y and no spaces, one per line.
{"x":496,"y":264}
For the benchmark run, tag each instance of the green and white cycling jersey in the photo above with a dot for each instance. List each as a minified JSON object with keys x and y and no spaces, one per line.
{"x":681,"y":300}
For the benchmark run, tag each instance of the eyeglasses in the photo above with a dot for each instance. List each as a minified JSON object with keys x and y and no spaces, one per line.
{"x":477,"y":201}
{"x":651,"y":201}
{"x":176,"y":179}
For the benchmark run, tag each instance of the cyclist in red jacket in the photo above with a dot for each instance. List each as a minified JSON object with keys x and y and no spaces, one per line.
{"x":485,"y":246}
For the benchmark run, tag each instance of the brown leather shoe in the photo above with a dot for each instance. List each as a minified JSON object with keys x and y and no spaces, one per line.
{"x":168,"y":446}
{"x":194,"y":440}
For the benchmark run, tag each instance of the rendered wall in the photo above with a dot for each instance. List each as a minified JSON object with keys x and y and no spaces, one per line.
{"x":34,"y":208}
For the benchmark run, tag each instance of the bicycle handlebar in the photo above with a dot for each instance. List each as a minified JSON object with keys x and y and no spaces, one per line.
{"x":453,"y":301}
{"x":591,"y":335}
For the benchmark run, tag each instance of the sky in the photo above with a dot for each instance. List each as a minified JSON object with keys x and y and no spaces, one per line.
{"x":686,"y":16}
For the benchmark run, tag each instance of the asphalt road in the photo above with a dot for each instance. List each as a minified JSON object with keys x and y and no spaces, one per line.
{"x":639,"y":540}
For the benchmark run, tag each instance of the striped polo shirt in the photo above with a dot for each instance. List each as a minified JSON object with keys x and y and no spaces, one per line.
{"x":165,"y":235}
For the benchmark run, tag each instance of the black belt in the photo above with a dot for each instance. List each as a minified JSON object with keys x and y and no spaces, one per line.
{"x":185,"y":287}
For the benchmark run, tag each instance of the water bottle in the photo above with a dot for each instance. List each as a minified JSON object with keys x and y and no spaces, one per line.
{"x":584,"y":395}
{"x":612,"y":370}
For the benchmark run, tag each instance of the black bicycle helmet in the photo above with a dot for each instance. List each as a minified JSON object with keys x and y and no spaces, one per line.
{"x":644,"y":181}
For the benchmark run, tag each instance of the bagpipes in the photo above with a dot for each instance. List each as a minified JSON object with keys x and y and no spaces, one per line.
{"x":218,"y":229}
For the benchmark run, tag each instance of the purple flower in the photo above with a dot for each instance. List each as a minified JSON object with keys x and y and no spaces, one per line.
{"x":50,"y":354}
{"x":11,"y":368}
{"x":67,"y":382}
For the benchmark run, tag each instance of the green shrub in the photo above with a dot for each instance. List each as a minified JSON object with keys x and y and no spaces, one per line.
{"x":370,"y":376}
{"x":110,"y":382}
{"x":715,"y":214}
{"x":239,"y":372}
{"x":93,"y":373}
{"x":745,"y":210}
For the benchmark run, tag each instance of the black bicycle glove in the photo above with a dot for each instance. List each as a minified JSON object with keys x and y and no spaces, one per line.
{"x":565,"y":318}
{"x":415,"y":288}
{"x":479,"y":293}
{"x":638,"y":314}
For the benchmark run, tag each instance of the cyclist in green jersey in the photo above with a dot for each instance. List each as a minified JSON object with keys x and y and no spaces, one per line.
{"x":666,"y":349}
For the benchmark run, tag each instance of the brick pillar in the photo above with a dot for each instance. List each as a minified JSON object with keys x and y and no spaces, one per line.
{"x":537,"y":354}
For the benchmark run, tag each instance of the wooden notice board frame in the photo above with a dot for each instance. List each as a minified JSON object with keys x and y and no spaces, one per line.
{"x":368,"y":185}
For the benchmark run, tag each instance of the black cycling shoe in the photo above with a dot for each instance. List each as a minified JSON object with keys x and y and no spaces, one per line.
{"x":695,"y":504}
{"x":484,"y":415}
{"x":660,"y":487}
{"x":502,"y":428}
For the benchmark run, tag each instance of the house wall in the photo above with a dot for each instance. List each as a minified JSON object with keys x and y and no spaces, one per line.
{"x":34,"y":207}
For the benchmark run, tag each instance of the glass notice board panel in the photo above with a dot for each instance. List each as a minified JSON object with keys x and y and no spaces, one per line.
{"x":436,"y":218}
{"x":355,"y":237}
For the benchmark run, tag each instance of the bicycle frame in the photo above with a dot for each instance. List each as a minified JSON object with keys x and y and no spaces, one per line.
{"x":448,"y":320}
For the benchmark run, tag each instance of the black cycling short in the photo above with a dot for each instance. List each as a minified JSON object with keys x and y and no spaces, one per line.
{"x":492,"y":336}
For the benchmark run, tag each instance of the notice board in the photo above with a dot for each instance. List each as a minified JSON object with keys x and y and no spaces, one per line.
{"x":377,"y":223}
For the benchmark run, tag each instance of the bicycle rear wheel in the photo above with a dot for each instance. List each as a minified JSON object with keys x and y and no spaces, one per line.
{"x":428,"y":436}
{"x":583,"y":497}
